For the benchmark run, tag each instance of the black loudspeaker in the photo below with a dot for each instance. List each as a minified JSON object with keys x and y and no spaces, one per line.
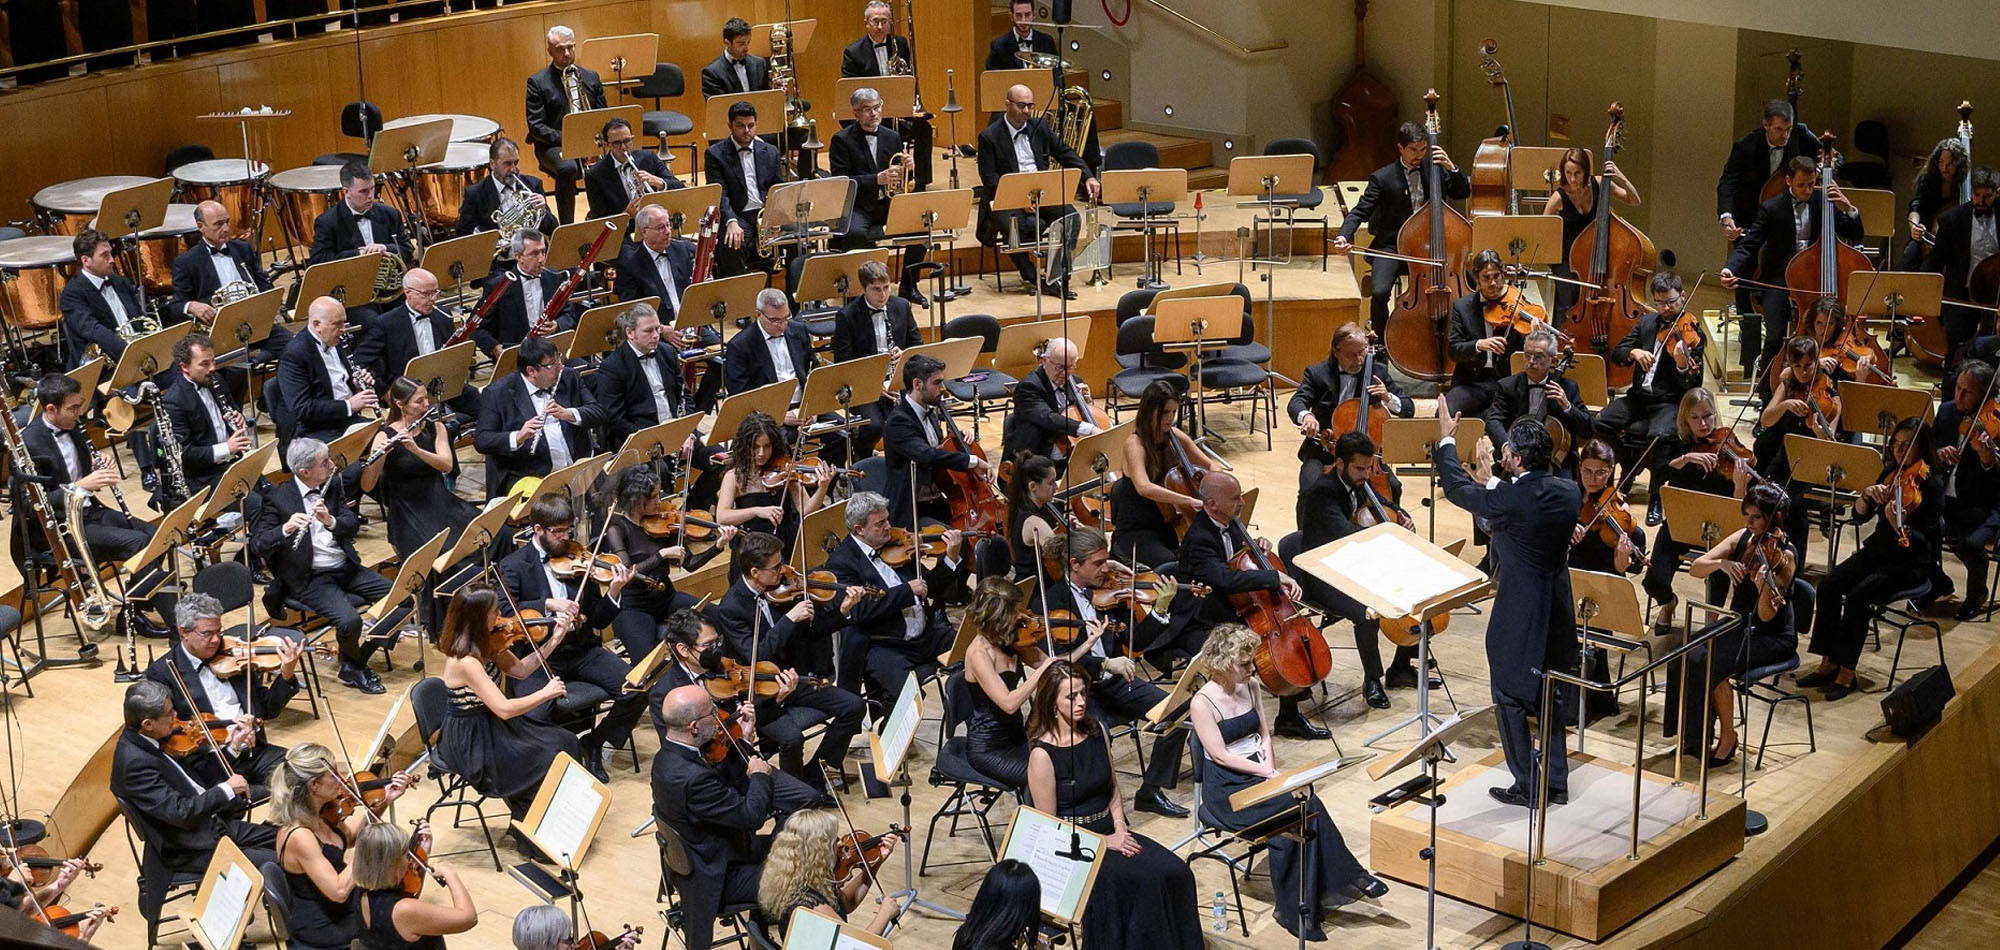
{"x":1059,"y":11}
{"x":1914,"y":706}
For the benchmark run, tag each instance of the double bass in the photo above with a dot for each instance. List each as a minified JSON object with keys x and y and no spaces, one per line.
{"x":1926,"y":338}
{"x":1493,"y":163}
{"x":1292,"y":656}
{"x":1365,"y":111}
{"x":1822,"y":270}
{"x":1618,"y":258}
{"x":1419,"y":326}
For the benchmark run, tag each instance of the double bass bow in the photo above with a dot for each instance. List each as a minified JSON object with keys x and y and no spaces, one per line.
{"x":1615,"y":257}
{"x":1419,"y":327}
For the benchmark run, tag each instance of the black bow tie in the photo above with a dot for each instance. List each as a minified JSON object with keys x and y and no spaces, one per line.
{"x":877,"y":312}
{"x":542,"y":394}
{"x":742,"y":149}
{"x":1023,"y":130}
{"x":1982,"y":212}
{"x":735,"y":63}
{"x":882,"y":45}
{"x":222,"y":251}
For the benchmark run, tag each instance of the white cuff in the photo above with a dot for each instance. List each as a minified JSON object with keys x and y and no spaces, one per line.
{"x":220,"y":451}
{"x":514,"y":441}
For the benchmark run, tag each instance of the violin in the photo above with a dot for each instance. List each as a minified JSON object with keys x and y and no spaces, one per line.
{"x":804,"y":473}
{"x":1141,"y":590}
{"x":698,"y":525}
{"x":1030,"y":631}
{"x":1684,"y":334}
{"x":508,"y":631}
{"x":1512,"y":311}
{"x":820,"y":586}
{"x":577,"y":561}
{"x":194,"y":736}
{"x":1729,"y":452}
{"x":729,"y":732}
{"x":374,"y":789}
{"x":736,"y":679}
{"x":858,"y":848}
{"x":1905,"y":481}
{"x":1612,"y":520}
{"x":1824,"y":404}
{"x":596,"y":940}
{"x":419,"y":868}
{"x":40,"y":866}
{"x":929,"y":543}
{"x":1291,"y":654}
{"x":55,"y":916}
{"x":263,"y":654}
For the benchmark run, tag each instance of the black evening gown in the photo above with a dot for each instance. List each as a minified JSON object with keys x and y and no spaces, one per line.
{"x":997,"y":741}
{"x":316,"y":922}
{"x":1145,"y":902}
{"x":1334,"y":868}
{"x":416,"y":500}
{"x":505,"y":758}
{"x":786,"y":529}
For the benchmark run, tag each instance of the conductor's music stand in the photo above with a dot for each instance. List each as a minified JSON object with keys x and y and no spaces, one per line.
{"x":1145,"y":186}
{"x":1874,"y":410}
{"x":1895,"y":297}
{"x":1839,"y":470}
{"x":1431,"y":749}
{"x":1192,"y":324}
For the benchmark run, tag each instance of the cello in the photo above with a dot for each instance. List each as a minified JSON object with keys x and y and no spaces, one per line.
{"x":976,"y":506}
{"x":1618,"y":258}
{"x":1794,"y":76}
{"x":1292,"y":656}
{"x":1365,"y":111}
{"x":1493,"y":163}
{"x":1821,"y":271}
{"x":1418,"y":330}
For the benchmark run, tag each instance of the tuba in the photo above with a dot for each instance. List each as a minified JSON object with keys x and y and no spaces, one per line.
{"x":1074,"y":125}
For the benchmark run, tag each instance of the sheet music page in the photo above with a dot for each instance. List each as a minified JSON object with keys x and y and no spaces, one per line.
{"x":571,"y":813}
{"x":1393,"y":571}
{"x":846,"y":941}
{"x":1035,"y":839}
{"x":811,"y":931}
{"x":227,"y":903}
{"x":901,"y":727}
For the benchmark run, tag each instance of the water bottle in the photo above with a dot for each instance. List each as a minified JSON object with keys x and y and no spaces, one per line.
{"x":1220,"y":911}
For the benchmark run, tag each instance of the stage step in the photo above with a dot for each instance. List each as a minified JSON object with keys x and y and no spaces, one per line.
{"x":1208,"y":176}
{"x":1109,"y":113}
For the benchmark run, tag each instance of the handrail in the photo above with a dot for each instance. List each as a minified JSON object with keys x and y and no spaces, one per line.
{"x":344,"y":13}
{"x":1224,"y":40}
{"x":1725,"y":621}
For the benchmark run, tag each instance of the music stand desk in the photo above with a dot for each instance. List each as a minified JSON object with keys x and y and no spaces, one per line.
{"x":862,"y":378}
{"x":444,"y":371}
{"x":581,"y":131}
{"x":339,"y":279}
{"x":831,"y":276}
{"x":461,"y":260}
{"x":597,"y":329}
{"x":654,"y":442}
{"x":1884,"y":406}
{"x":1523,"y":239}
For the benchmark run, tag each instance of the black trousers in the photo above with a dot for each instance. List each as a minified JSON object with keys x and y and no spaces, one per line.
{"x":886,"y":663}
{"x":327,"y":594}
{"x":1643,"y":415}
{"x":566,"y":175}
{"x":1961,"y":325}
{"x":1968,"y":530}
{"x":1472,"y":399}
{"x":1850,"y":594}
{"x":1382,"y":276}
{"x":1753,"y":328}
{"x":1777,"y":328}
{"x":785,"y":723}
{"x":1517,"y":739}
{"x":1127,"y":699}
{"x":591,"y":676}
{"x":732,"y":261}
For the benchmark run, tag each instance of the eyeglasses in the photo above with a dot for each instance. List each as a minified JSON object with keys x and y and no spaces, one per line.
{"x":422,"y":293}
{"x":1537,"y":357}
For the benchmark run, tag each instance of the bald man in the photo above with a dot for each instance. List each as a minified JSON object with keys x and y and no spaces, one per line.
{"x":1018,"y":141}
{"x":1042,"y":402}
{"x":217,"y":261}
{"x":715,"y":814}
{"x":411,"y":329}
{"x":320,"y":394}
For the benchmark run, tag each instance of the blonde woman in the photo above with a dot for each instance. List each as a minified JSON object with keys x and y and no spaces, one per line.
{"x":312,"y":852}
{"x":386,"y":918}
{"x":801,"y":869}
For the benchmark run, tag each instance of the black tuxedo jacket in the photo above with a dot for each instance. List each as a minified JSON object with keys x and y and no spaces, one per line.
{"x":721,"y":164}
{"x":194,"y":274}
{"x":1000,"y":52}
{"x":528,"y":584}
{"x":880,"y":618}
{"x":848,"y":154}
{"x":1141,"y":636}
{"x":735,"y":617}
{"x":482,"y":202}
{"x":308,"y":390}
{"x":746,"y":361}
{"x":1952,"y":254}
{"x":1385,"y":204}
{"x":854,"y":329}
{"x":606,"y":187}
{"x":505,"y":405}
{"x":1036,"y":420}
{"x":719,"y":78}
{"x":717,"y":821}
{"x":292,"y":567}
{"x":269,"y":701}
{"x":40,"y":440}
{"x":1202,"y":559}
{"x":182,"y":824}
{"x":1319,"y":393}
{"x":1739,"y":190}
{"x":508,"y":322}
{"x":195,"y":432}
{"x":1510,"y":403}
{"x":639,"y":277}
{"x":905,"y":448}
{"x":996,"y":152}
{"x":387,"y":352}
{"x":87,"y":318}
{"x":1468,"y":327}
{"x":1669,"y":383}
{"x":625,"y":397}
{"x":335,"y":234}
{"x":1978,"y":486}
{"x":1770,"y":242}
{"x":548,"y":102}
{"x":858,"y":59}
{"x":1327,"y":506}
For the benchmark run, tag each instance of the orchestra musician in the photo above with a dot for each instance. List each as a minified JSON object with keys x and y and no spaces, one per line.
{"x":547,"y":927}
{"x":1337,"y":501}
{"x":626,"y":173}
{"x":1333,"y":381}
{"x":1603,"y":503}
{"x":61,"y":449}
{"x":736,"y":69}
{"x":359,"y":223}
{"x":1033,"y":517}
{"x":535,"y":421}
{"x":555,"y":92}
{"x":888,"y":637}
{"x":1827,"y":324}
{"x":657,"y":263}
{"x":245,"y":704}
{"x":871,"y":56}
{"x":1140,"y":501}
{"x":1005,"y":912}
{"x":1002,"y":53}
{"x":413,"y":328}
{"x":484,"y":198}
{"x":1575,"y":201}
{"x":802,"y":870}
{"x":100,"y":307}
{"x":1479,"y":349}
{"x":874,"y":322}
{"x":715,"y":812}
{"x":1697,"y":459}
{"x":1043,"y":402}
{"x":388,"y":917}
{"x":1759,"y":574}
{"x":747,"y":620}
{"x":1892,"y":559}
{"x":871,"y":153}
{"x":765,"y":490}
{"x":1531,"y":514}
{"x":1000,"y":675}
{"x":207,"y":424}
{"x":1966,"y":236}
{"x":1019,"y":141}
{"x":522,"y":304}
{"x":748,"y":168}
{"x":1753,"y":160}
{"x":315,"y":864}
{"x":590,"y":673}
{"x":639,"y":385}
{"x":1937,"y":190}
{"x":19,"y":893}
{"x":773,"y":349}
{"x":322,"y":395}
{"x":217,"y":261}
{"x":496,"y":737}
{"x":1536,"y":394}
{"x":1785,"y":225}
{"x":410,"y":476}
{"x":1806,"y":401}
{"x":320,"y":569}
{"x":1665,"y":368}
{"x":1394,"y":191}
{"x":636,"y":492}
{"x":1970,"y":470}
{"x":913,"y":430}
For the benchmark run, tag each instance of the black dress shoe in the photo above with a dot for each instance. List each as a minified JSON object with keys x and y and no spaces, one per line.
{"x":360,"y":678}
{"x":1969,"y":610}
{"x":916,"y":298}
{"x":1156,"y":801}
{"x":593,"y":759}
{"x":1837,"y":691}
{"x":1654,"y":514}
{"x":1401,"y":676}
{"x":1058,"y":290}
{"x":1371,"y":690}
{"x":1368,"y":885}
{"x":1509,"y":796}
{"x":1295,"y":727}
{"x":149,"y":481}
{"x":1815,"y":678}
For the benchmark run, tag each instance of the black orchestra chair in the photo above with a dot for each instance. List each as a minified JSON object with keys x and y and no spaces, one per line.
{"x":1133,"y":303}
{"x":1302,"y":201}
{"x":985,"y":384}
{"x":430,"y":703}
{"x":1245,"y":345}
{"x":666,"y":82}
{"x":229,"y":583}
{"x":1144,"y":362}
{"x":1901,"y":612}
{"x":179,"y":883}
{"x":1146,"y":217}
{"x":277,"y":901}
{"x":1235,"y":850}
{"x":358,"y":120}
{"x":973,"y":793}
{"x":874,"y":474}
{"x":1765,"y":684}
{"x":674,"y":865}
{"x":11,"y":659}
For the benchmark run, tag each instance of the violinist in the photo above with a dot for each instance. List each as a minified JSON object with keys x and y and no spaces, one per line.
{"x":320,"y":913}
{"x":386,"y":915}
{"x":1532,"y":515}
{"x":747,"y":621}
{"x":182,"y":819}
{"x":534,"y":579}
{"x":764,"y":490}
{"x":1235,"y":735}
{"x":19,"y":894}
{"x":716,"y":814}
{"x":1970,"y":469}
{"x":1116,"y":685}
{"x":1575,"y":200}
{"x":1033,"y":516}
{"x":1965,"y":237}
{"x":243,"y":698}
{"x":1753,"y":160}
{"x":492,"y":739}
{"x":1482,"y":335}
{"x":650,"y":558}
{"x":1937,"y":190}
{"x":1906,"y":504}
{"x":1339,"y":501}
{"x":1827,"y":324}
{"x":1759,"y":567}
{"x":1538,"y":394}
{"x":1394,"y":192}
{"x":912,"y":433}
{"x":1804,"y":401}
{"x":1145,"y":504}
{"x":1143,"y":898}
{"x":1703,"y":456}
{"x":1665,"y":350}
{"x":1049,"y":404}
{"x":1213,"y":538}
{"x":409,"y":476}
{"x":888,"y":637}
{"x":1607,"y":541}
{"x":1001,"y":676}
{"x":1327,"y":384}
{"x":547,"y":927}
{"x":1786,"y":225}
{"x":803,"y":870}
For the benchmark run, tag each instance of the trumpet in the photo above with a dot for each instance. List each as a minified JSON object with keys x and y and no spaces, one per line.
{"x":906,"y":170}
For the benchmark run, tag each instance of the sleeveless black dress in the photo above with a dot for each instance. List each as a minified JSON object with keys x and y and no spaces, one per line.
{"x":1138,"y":529}
{"x":378,"y":932}
{"x":785,"y":529}
{"x":1022,"y":556}
{"x":1145,"y":902}
{"x":505,"y":758}
{"x":416,"y":500}
{"x":996,"y":740}
{"x":1574,"y":221}
{"x":317,"y":922}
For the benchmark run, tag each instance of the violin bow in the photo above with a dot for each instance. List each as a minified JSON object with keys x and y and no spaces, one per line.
{"x":1966,"y":439}
{"x":1604,"y":507}
{"x":208,"y":738}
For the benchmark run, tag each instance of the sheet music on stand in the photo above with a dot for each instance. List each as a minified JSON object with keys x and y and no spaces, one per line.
{"x":229,"y":889}
{"x":568,"y":808}
{"x":811,"y":930}
{"x":1036,"y":838}
{"x":901,"y":728}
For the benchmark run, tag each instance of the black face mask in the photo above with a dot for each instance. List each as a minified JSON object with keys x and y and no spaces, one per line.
{"x":711,"y":659}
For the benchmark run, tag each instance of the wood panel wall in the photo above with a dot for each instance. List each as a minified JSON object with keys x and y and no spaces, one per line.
{"x":126,"y":121}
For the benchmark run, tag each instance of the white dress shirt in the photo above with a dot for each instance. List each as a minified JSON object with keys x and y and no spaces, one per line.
{"x":220,"y":450}
{"x":531,"y":297}
{"x":746,"y":156}
{"x":666,"y":269}
{"x":913,"y":617}
{"x":327,"y":554}
{"x":111,"y":298}
{"x":363,"y":225}
{"x":225,"y":266}
{"x":552,"y":430}
{"x":1984,"y":243}
{"x":336,"y":371}
{"x":420,"y":326}
{"x":663,"y":406}
{"x":882,"y":58}
{"x":221,"y":698}
{"x":1024,"y":151}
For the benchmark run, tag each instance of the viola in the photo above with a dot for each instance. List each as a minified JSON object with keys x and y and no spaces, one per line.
{"x":55,"y":916}
{"x":1617,"y":258}
{"x":1729,"y":452}
{"x":699,"y":524}
{"x":929,"y":543}
{"x":577,"y":561}
{"x":1291,"y":654}
{"x":1608,"y":515}
{"x":40,"y":866}
{"x":374,"y":789}
{"x":858,"y":848}
{"x":418,"y":868}
{"x":820,"y":586}
{"x":1824,"y":403}
{"x":1906,"y":482}
{"x":508,"y":631}
{"x":729,"y":732}
{"x":596,"y":939}
{"x":194,"y":736}
{"x":1063,"y":628}
{"x":1140,"y":589}
{"x":736,"y":679}
{"x":1512,"y":311}
{"x":262,"y":653}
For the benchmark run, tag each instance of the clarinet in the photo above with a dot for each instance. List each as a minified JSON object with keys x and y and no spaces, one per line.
{"x":98,"y":460}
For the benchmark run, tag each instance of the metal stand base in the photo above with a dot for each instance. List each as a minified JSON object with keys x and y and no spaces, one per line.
{"x":907,"y":896}
{"x":1754,"y":823}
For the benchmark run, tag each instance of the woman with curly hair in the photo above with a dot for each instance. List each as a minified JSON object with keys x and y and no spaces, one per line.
{"x":759,"y":491}
{"x":800,"y":872}
{"x":1938,"y":188}
{"x":1140,"y":499}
